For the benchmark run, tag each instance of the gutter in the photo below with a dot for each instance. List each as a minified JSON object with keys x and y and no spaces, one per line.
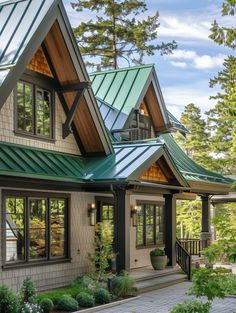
{"x":147,"y":184}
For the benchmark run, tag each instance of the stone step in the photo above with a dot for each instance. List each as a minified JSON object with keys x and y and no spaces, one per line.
{"x":156,"y":274}
{"x":160,"y":282}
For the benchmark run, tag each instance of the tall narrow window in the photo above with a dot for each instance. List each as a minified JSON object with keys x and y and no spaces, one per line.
{"x":149,"y":225}
{"x":36,"y":229}
{"x":25,"y":107}
{"x":15,"y":229}
{"x":34,"y":110}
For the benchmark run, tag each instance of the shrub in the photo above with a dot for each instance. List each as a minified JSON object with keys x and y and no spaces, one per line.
{"x":31,"y":308}
{"x":191,"y":306}
{"x":56,"y":295}
{"x":210,"y":283}
{"x":28,"y":291}
{"x":83,"y":282}
{"x":47,"y":305}
{"x":102,"y":296}
{"x":103,"y":250}
{"x":67,"y":303}
{"x":123,"y":285}
{"x":157,"y":252}
{"x":85,"y":300}
{"x":8,"y":300}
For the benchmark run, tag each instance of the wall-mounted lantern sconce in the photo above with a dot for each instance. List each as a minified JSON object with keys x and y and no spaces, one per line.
{"x":134,"y":214}
{"x":92,"y":214}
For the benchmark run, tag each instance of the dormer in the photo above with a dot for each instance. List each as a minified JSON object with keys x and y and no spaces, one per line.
{"x":131,"y":103}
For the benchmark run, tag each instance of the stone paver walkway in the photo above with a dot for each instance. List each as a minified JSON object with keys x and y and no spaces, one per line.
{"x":161,"y":301}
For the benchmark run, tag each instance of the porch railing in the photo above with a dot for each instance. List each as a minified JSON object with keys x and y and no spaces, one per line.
{"x":183,"y":259}
{"x":194,"y":246}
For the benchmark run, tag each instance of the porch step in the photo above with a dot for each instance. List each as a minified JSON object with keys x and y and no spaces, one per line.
{"x":158,"y":282}
{"x":148,"y":273}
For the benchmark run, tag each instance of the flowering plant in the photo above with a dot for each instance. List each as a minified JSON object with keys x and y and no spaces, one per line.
{"x":31,"y":308}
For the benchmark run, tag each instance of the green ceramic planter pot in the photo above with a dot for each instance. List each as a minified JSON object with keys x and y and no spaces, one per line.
{"x":159,"y":262}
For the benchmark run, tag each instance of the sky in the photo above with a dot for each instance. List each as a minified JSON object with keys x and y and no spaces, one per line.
{"x":184,"y":75}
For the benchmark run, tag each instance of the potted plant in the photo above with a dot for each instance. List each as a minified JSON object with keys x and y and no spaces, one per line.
{"x":158,"y":259}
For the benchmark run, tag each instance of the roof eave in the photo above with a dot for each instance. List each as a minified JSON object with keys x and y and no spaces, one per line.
{"x":211,"y":188}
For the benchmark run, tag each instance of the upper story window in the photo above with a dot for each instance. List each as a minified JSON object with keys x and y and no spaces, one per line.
{"x":34,"y":107}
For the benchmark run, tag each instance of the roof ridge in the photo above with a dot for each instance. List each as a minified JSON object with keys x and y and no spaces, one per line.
{"x":122,"y":69}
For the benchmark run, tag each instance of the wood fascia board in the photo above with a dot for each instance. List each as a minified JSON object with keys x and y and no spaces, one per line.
{"x":16,"y":71}
{"x":160,"y":99}
{"x":180,"y":178}
{"x":209,"y":188}
{"x":83,"y":76}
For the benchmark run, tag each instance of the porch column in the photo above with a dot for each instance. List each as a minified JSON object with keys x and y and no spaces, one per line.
{"x":206,"y":231}
{"x":170,"y":228}
{"x":122,"y":228}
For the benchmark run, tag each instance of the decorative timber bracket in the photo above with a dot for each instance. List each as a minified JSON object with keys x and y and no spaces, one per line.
{"x":80,"y":88}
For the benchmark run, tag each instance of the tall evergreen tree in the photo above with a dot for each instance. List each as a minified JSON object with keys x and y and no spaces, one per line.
{"x":118,"y":32}
{"x":222,"y":119}
{"x":225,"y":35}
{"x":196,"y":142}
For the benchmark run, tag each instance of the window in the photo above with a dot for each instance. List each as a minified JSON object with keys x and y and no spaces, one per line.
{"x":36,"y":228}
{"x":33,"y":110}
{"x":149,"y":225}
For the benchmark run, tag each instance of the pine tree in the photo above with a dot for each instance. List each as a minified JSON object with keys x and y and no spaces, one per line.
{"x":222,"y":119}
{"x":196,"y":142}
{"x":188,"y":218}
{"x":224,"y":35}
{"x":118,"y":32}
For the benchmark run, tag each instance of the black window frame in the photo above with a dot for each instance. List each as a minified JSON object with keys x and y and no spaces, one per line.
{"x":29,"y":195}
{"x":37,"y":81}
{"x":156,"y":242}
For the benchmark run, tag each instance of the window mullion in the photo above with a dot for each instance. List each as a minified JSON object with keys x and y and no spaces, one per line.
{"x":48,"y":231}
{"x":144,"y":225}
{"x":27,"y":233}
{"x":154,"y":224}
{"x":34,"y":110}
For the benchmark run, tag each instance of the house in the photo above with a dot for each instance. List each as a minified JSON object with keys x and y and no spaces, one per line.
{"x":68,"y":148}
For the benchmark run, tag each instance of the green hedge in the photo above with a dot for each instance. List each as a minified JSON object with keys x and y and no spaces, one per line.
{"x":56,"y":295}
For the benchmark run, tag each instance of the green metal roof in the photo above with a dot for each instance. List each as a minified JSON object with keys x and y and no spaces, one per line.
{"x":118,"y":92}
{"x":190,"y":169}
{"x":18,"y":22}
{"x":176,"y":123}
{"x":22,"y":161}
{"x":124,"y":89}
{"x":127,"y":163}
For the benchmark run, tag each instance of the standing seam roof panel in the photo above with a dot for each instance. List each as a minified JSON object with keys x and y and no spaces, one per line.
{"x":21,"y":20}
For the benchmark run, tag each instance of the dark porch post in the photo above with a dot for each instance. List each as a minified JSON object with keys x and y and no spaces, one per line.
{"x":122,"y":229}
{"x":206,"y":231}
{"x":170,"y":228}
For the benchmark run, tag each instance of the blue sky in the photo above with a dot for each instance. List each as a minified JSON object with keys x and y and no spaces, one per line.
{"x":183,"y":76}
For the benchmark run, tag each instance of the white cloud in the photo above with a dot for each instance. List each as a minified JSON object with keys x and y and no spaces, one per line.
{"x":179,"y":64}
{"x":207,"y":62}
{"x":178,"y":96}
{"x":173,"y":26}
{"x":183,"y":54}
{"x":192,"y":59}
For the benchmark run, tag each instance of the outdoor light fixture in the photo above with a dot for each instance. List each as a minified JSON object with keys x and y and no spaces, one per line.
{"x":92,"y":214}
{"x":134,"y":214}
